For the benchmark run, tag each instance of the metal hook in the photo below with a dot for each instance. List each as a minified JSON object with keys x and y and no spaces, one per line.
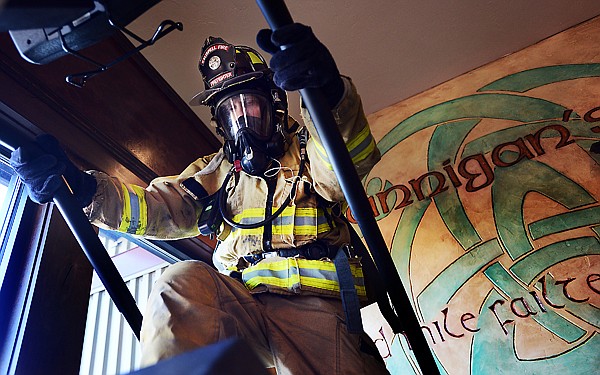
{"x":79,"y":79}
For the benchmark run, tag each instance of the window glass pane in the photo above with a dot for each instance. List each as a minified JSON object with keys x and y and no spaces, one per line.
{"x":110,"y":346}
{"x":6,"y":173}
{"x":8,"y":184}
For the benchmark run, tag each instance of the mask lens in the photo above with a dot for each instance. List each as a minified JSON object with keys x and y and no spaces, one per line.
{"x":245,"y":111}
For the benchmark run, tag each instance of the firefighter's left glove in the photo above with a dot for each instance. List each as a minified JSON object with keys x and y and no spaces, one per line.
{"x":42,"y":164}
{"x":301,"y":61}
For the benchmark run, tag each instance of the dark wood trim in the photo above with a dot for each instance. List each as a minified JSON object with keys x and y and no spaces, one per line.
{"x":170,"y":93}
{"x":115,"y":116}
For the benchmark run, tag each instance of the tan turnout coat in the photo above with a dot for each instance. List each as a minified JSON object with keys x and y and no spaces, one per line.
{"x":163,"y":210}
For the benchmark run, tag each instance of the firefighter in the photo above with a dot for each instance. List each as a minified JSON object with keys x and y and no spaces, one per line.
{"x":269,"y":196}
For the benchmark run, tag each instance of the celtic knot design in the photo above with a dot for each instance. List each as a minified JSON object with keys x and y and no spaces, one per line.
{"x":509,"y":164}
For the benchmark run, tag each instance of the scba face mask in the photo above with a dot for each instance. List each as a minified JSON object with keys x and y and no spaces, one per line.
{"x":250,"y":129}
{"x":245,"y":112}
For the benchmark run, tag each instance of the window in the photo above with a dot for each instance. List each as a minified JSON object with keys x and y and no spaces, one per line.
{"x":33,"y":250}
{"x":13,"y":269}
{"x":7,"y":180}
{"x":5,"y":177}
{"x":11,"y":202}
{"x":109,"y":345}
{"x":44,"y":282}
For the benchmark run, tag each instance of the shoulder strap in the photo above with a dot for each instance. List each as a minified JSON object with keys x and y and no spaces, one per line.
{"x":194,"y":188}
{"x":374,"y":284}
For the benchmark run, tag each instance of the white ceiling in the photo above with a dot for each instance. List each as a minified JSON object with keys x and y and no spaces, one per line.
{"x":392,"y":49}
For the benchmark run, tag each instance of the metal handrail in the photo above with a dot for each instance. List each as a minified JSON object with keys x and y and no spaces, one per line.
{"x":277,"y":16}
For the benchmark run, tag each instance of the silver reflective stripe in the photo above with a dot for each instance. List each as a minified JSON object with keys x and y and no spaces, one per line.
{"x":304,"y":220}
{"x":135,"y":213}
{"x":318,"y":274}
{"x":250,"y":220}
{"x":304,"y":272}
{"x":361,"y":147}
{"x":282,"y":274}
{"x":321,"y":219}
{"x":284,"y":220}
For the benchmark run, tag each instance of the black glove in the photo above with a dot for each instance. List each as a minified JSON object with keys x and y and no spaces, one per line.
{"x":304,"y":63}
{"x":41,"y":163}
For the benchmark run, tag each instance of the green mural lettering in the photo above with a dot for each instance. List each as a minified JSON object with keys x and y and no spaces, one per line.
{"x":494,"y":350}
{"x":535,"y":139}
{"x":497,"y":106}
{"x":590,"y":116}
{"x":575,"y":128}
{"x":436,"y":188}
{"x":444,"y":147}
{"x":474,"y":177}
{"x":584,"y":311}
{"x":550,"y":320}
{"x":590,"y":282}
{"x":519,"y":144}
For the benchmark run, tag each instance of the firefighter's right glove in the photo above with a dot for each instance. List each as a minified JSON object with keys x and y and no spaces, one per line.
{"x":41,"y":165}
{"x":299,"y":60}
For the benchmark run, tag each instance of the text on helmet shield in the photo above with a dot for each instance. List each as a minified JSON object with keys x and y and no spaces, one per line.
{"x":220,"y":78}
{"x":211,"y":49}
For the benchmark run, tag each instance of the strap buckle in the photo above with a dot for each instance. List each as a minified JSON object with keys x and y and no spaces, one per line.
{"x":348,"y":249}
{"x":315,"y":250}
{"x":269,"y":254}
{"x":253,"y":259}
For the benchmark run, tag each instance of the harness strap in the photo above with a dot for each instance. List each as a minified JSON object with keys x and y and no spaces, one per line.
{"x":348,"y":292}
{"x":377,"y":290}
{"x":314,"y":250}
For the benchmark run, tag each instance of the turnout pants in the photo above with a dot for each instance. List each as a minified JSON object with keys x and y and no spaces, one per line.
{"x":192,"y":305}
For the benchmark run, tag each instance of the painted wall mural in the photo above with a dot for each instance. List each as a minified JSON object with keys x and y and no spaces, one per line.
{"x":489,"y":199}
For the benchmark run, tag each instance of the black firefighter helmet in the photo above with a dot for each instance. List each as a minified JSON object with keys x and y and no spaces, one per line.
{"x":249,"y":109}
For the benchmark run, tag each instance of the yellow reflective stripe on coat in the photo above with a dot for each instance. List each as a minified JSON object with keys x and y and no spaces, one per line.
{"x":291,"y":274}
{"x":292,"y":221}
{"x":323,"y":223}
{"x":249,"y":216}
{"x":284,"y":223}
{"x":134,"y":219}
{"x":359,"y":147}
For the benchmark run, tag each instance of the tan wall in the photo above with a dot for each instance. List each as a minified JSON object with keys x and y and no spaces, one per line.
{"x":488,"y":197}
